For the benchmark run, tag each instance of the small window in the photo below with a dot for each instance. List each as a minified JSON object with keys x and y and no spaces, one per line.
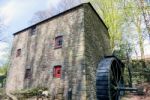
{"x":58,"y":42}
{"x":28,"y":74}
{"x":18,"y":54}
{"x":57,"y":72}
{"x":33,"y":30}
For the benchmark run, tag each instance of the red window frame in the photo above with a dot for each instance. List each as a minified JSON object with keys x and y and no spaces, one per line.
{"x":57,"y":71}
{"x":58,"y":42}
{"x":18,"y":53}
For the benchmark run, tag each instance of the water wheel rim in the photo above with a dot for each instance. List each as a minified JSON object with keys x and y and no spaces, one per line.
{"x":106,"y":68}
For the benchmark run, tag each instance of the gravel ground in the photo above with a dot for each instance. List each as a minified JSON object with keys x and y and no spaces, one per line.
{"x":135,"y":97}
{"x":145,"y":96}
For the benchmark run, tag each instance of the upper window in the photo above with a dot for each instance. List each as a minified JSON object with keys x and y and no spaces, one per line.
{"x":57,"y":71}
{"x":18,"y":53}
{"x":28,"y":74}
{"x":58,"y":42}
{"x":33,"y":30}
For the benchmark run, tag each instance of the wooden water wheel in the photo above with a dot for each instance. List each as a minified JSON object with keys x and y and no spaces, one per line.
{"x":109,"y":79}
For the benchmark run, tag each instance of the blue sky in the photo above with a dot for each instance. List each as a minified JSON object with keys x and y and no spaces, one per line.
{"x":16,"y":15}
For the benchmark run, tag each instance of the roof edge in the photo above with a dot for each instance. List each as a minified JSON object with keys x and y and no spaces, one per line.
{"x":59,"y":14}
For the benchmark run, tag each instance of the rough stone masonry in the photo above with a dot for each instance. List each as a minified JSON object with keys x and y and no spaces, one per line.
{"x":60,"y":53}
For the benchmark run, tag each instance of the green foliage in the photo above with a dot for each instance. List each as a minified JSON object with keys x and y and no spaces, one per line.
{"x":124,"y":19}
{"x":147,"y":70}
{"x":3,"y":74}
{"x":27,"y":93}
{"x":3,"y":69}
{"x":140,"y":71}
{"x":124,"y":51}
{"x":110,"y":11}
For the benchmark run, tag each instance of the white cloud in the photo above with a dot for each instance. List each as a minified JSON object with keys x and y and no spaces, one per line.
{"x":7,"y":12}
{"x":3,"y":46}
{"x":147,"y":47}
{"x":53,"y":3}
{"x":4,"y":51}
{"x":13,"y":9}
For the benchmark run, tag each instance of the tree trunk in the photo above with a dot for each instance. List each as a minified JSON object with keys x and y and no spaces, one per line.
{"x":140,"y":37}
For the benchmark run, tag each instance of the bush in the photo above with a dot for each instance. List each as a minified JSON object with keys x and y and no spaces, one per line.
{"x":27,"y":93}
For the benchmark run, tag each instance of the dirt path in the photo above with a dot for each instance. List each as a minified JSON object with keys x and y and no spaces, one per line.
{"x":145,"y":96}
{"x":135,"y":97}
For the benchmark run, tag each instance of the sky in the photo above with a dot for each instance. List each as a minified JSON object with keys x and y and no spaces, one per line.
{"x":16,"y":15}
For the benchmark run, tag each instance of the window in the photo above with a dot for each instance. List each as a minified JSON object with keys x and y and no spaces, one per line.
{"x":33,"y":30}
{"x":57,"y":71}
{"x":58,"y":42}
{"x":28,"y":74}
{"x":18,"y":54}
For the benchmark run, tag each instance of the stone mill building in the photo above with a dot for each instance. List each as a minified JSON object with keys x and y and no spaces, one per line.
{"x":60,"y":53}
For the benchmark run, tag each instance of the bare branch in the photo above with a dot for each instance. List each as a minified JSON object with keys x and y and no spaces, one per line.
{"x":63,"y":5}
{"x":1,"y":29}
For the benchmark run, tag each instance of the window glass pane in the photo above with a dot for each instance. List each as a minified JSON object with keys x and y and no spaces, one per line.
{"x":18,"y":53}
{"x":57,"y":71}
{"x":58,"y":41}
{"x":33,"y":30}
{"x":28,"y":73}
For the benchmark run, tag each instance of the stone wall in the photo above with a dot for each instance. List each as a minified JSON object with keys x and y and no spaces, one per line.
{"x":85,"y":42}
{"x":39,"y":55}
{"x":96,"y":46}
{"x":15,"y":79}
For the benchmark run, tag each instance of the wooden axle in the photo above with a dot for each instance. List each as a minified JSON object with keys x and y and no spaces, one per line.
{"x":127,"y":89}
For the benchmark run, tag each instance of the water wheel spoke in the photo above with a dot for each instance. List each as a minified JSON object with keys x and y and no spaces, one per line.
{"x":114,"y":74}
{"x":117,"y":71}
{"x":114,"y":94}
{"x":113,"y":85}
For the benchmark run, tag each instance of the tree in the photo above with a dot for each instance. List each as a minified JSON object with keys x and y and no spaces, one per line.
{"x":120,"y":16}
{"x":134,"y":14}
{"x":144,"y":5}
{"x":63,"y":5}
{"x":110,"y":11}
{"x":66,"y":4}
{"x":3,"y":69}
{"x":40,"y":15}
